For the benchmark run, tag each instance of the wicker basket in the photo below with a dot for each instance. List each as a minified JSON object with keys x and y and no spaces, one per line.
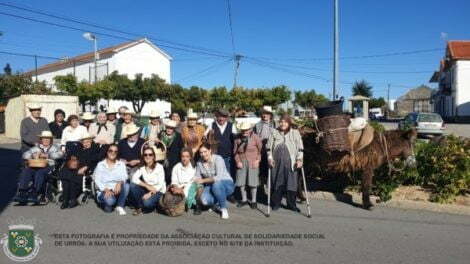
{"x":173,"y":204}
{"x":160,"y":153}
{"x":37,"y":163}
{"x":335,"y":133}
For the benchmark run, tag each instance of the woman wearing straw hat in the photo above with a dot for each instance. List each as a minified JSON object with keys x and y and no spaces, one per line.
{"x":174,"y":145}
{"x":87,"y":119}
{"x":88,"y":155}
{"x":247,"y":155}
{"x":72,"y":135}
{"x":31,"y":127}
{"x":151,"y":131}
{"x":130,"y":147}
{"x":285,"y":156}
{"x":111,"y":116}
{"x":192,"y":133}
{"x":148,"y":182}
{"x":45,"y":149}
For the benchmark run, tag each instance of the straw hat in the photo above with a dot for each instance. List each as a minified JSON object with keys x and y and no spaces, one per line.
{"x":111,"y":110}
{"x":131,"y":130}
{"x":154,"y":114}
{"x":267,"y":109}
{"x":87,"y":136}
{"x":128,"y":111}
{"x":46,"y":134}
{"x":244,"y":125}
{"x":33,"y":106}
{"x":88,"y":116}
{"x":160,"y":154}
{"x":192,"y":115}
{"x":171,"y":123}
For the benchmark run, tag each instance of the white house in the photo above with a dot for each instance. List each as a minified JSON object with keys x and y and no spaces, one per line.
{"x":139,"y":56}
{"x":452,"y":99}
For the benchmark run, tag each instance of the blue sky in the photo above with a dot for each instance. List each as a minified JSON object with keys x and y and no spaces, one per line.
{"x":283,"y":34}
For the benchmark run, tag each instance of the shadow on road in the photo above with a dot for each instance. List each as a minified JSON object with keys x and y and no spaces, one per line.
{"x":9,"y":170}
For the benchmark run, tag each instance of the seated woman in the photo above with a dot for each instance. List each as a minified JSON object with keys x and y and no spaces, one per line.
{"x":43,"y":150}
{"x":71,"y":182}
{"x":182,"y":177}
{"x":72,"y":134}
{"x":148,"y":182}
{"x":110,"y":178}
{"x":102,"y":130}
{"x":218,"y":184}
{"x":88,"y":155}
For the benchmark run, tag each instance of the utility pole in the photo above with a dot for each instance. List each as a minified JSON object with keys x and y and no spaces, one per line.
{"x":388,"y":100}
{"x":237,"y":59}
{"x":36,"y":67}
{"x":336,"y":49}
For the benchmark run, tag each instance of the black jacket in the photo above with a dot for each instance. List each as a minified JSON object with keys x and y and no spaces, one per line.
{"x":56,"y":129}
{"x":89,"y":157}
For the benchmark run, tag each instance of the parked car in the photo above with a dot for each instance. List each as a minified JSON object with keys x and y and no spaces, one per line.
{"x":425,"y":123}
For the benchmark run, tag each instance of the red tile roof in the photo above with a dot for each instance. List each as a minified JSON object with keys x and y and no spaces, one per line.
{"x":459,"y":50}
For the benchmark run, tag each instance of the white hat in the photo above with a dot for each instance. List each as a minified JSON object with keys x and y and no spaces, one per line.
{"x":192,"y":115}
{"x":244,"y":125}
{"x":128,"y":111}
{"x":130,"y":130}
{"x":46,"y":134}
{"x":86,"y":136}
{"x":154,"y":114}
{"x":267,"y":109}
{"x":171,"y":123}
{"x":88,"y":116}
{"x":33,"y":106}
{"x":111,"y":110}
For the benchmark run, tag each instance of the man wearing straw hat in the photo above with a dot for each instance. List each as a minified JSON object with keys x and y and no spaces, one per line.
{"x":151,"y":131}
{"x":31,"y":127}
{"x":45,"y":149}
{"x":192,"y":133}
{"x":264,"y":129}
{"x":130,"y":147}
{"x":174,"y":144}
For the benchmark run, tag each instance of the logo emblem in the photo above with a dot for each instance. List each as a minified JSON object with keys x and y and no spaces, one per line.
{"x":21,"y":243}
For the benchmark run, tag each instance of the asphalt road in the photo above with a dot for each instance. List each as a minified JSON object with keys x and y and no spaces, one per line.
{"x":461,"y":130}
{"x":339,"y":233}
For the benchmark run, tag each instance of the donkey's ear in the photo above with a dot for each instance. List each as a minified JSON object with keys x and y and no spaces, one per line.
{"x":410,"y":134}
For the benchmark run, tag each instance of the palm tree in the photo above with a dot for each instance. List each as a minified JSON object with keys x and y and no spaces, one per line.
{"x":362,"y":88}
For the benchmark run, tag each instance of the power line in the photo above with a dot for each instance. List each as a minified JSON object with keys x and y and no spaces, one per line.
{"x":78,"y":21}
{"x":200,"y":73}
{"x":30,"y":55}
{"x":229,"y":11}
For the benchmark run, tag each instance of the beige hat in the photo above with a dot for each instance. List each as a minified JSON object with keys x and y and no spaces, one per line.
{"x":128,"y":111}
{"x":111,"y":110}
{"x":192,"y":115}
{"x":267,"y":109}
{"x":154,"y":114}
{"x":33,"y":106}
{"x":88,"y":116}
{"x":87,"y":136}
{"x":171,"y":123}
{"x":131,"y":130}
{"x":244,"y":125}
{"x":46,"y":134}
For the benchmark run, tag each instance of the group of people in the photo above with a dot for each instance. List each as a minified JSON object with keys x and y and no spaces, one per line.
{"x":137,"y":164}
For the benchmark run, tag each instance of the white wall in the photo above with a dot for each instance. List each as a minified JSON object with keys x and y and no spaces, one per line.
{"x":143,"y":58}
{"x":462,"y":81}
{"x":161,"y":106}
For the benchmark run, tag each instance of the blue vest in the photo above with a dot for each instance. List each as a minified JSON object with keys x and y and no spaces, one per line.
{"x":225,"y":147}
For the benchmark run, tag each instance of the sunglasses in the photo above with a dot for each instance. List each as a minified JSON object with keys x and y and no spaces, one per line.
{"x":148,"y":155}
{"x":112,"y":151}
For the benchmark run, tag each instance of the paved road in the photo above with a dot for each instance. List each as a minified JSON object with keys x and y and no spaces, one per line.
{"x":461,"y":130}
{"x":341,"y":234}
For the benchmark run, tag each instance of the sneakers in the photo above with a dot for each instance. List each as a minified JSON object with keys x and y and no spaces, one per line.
{"x":241,"y":204}
{"x":224,"y":213}
{"x":120,"y":210}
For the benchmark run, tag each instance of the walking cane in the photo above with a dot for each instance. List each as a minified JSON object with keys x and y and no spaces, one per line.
{"x":309,"y":215}
{"x":269,"y":192}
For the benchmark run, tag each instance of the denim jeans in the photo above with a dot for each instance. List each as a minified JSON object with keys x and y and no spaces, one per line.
{"x":137,"y":192}
{"x":217,"y":192}
{"x":120,"y":200}
{"x":37,"y":176}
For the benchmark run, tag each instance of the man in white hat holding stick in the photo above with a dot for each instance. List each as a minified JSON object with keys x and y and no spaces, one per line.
{"x":264,"y":129}
{"x":31,"y":127}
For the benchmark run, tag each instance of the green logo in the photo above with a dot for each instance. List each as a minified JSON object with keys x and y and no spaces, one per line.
{"x":21,"y":244}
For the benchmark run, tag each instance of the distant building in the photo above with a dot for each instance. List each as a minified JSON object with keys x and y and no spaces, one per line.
{"x":139,"y":56}
{"x":415,"y":100}
{"x":452,"y":98}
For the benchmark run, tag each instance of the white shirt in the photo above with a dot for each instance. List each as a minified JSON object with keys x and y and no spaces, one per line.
{"x":183,"y":177}
{"x":107,"y":177}
{"x":73,"y":134}
{"x":106,"y":134}
{"x":156,"y":177}
{"x":221,"y":128}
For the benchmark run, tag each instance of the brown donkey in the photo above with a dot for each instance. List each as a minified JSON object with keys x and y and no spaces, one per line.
{"x":384,"y":148}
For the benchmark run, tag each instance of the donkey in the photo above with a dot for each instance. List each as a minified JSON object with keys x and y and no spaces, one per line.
{"x":384,"y":148}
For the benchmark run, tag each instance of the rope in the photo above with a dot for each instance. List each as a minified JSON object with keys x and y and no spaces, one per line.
{"x":387,"y":155}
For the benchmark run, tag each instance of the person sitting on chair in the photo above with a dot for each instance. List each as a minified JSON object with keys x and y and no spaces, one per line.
{"x":71,"y":182}
{"x":148,"y":182}
{"x":111,"y":182}
{"x":130,"y":148}
{"x":151,"y":131}
{"x":45,"y":149}
{"x":72,"y":134}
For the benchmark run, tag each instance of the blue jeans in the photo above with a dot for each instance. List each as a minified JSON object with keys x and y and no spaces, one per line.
{"x":120,"y":200}
{"x":138,"y":191}
{"x":35,"y":175}
{"x":217,"y":192}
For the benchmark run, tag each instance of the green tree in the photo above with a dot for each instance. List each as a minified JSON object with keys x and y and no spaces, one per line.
{"x":66,"y":83}
{"x":362,"y":88}
{"x":309,"y":99}
{"x":377,"y":102}
{"x":14,"y":85}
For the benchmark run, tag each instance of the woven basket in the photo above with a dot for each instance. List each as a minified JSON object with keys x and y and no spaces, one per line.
{"x":37,"y":163}
{"x":173,"y":204}
{"x":160,"y":153}
{"x":335,"y":133}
